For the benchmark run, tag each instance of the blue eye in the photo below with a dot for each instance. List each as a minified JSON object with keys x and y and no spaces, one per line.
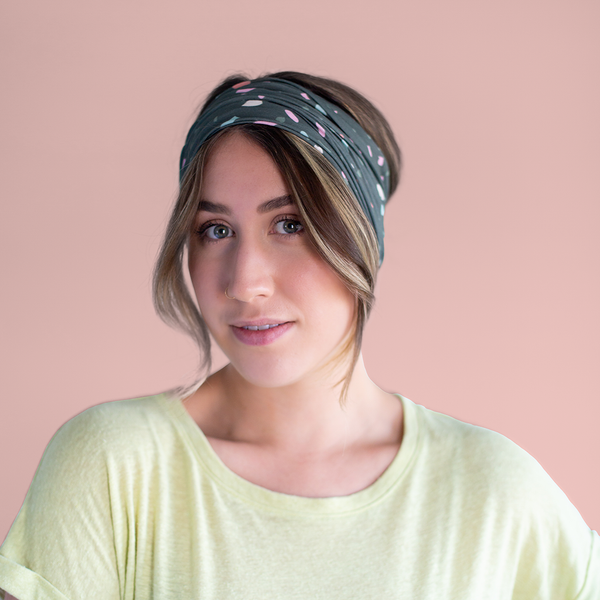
{"x":217,"y":232}
{"x":288,"y":226}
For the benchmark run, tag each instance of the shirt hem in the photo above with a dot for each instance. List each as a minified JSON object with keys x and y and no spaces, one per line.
{"x":24,"y":584}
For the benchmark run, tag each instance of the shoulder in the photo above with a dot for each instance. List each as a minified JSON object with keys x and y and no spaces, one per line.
{"x":107,"y":436}
{"x":481,"y":450}
{"x":95,"y":468}
{"x":493,"y":467}
{"x":96,"y":457}
{"x":115,"y":422}
{"x":492,"y":489}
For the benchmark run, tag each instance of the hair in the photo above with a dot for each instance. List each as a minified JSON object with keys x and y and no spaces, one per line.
{"x":336,"y":225}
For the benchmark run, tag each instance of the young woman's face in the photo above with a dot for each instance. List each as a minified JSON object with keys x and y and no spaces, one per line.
{"x":248,"y":241}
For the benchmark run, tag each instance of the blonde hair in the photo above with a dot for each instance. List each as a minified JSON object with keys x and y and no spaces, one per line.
{"x":334,"y":221}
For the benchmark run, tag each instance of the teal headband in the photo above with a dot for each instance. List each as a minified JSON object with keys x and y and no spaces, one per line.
{"x":325,"y":126}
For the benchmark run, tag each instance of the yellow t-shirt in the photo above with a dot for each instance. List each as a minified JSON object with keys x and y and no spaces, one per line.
{"x":130,"y":501}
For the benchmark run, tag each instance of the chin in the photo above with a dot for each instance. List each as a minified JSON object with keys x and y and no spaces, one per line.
{"x":268,"y":373}
{"x":279,"y":367}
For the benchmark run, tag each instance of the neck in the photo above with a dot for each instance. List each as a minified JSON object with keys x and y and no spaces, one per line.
{"x":306,"y":414}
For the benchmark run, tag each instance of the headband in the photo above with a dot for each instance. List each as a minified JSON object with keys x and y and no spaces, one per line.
{"x":325,"y":126}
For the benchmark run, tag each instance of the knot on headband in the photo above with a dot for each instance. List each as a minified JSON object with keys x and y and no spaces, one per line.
{"x":325,"y":126}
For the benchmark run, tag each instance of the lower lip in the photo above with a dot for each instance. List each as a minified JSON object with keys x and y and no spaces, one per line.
{"x":260,"y":337}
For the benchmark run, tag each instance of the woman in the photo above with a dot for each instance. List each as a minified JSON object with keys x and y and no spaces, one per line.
{"x":288,"y":473}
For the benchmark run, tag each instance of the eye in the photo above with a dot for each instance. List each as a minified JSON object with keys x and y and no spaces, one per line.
{"x":288,"y":226}
{"x":216,"y":231}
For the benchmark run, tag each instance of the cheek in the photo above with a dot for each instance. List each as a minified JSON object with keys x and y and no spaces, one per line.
{"x":326,"y":297}
{"x":203,"y":276}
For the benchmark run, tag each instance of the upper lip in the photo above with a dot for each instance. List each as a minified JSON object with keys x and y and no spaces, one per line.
{"x":259,"y":322}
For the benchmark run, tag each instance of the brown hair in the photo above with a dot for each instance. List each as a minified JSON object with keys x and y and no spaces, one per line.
{"x":336,"y":225}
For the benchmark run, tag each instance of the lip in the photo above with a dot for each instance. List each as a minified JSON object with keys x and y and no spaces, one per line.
{"x":260,"y":337}
{"x":259,"y":322}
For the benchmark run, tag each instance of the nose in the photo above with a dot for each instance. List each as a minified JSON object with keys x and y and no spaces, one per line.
{"x":248,"y":275}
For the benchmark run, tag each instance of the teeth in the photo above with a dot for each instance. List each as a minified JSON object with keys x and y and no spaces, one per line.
{"x":260,"y":327}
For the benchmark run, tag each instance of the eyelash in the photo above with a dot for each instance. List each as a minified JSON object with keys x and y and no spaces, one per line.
{"x":206,"y":226}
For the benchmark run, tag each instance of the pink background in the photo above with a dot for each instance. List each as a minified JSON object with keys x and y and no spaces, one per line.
{"x":489,"y":293}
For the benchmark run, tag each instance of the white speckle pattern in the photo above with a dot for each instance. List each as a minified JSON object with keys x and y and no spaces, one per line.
{"x":229,"y":121}
{"x":252,"y":103}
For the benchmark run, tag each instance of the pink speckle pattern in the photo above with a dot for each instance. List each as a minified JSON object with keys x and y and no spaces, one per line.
{"x":261,"y":97}
{"x":265,"y":123}
{"x":183,"y":163}
{"x":241,"y":84}
{"x":320,"y":129}
{"x":305,"y":96}
{"x":369,"y":149}
{"x":244,"y":90}
{"x":291,"y":115}
{"x":380,"y":161}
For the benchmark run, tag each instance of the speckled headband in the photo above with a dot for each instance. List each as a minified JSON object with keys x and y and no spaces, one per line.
{"x":332,"y":131}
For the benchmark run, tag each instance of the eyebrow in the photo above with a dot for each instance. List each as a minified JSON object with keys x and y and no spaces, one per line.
{"x":265,"y":207}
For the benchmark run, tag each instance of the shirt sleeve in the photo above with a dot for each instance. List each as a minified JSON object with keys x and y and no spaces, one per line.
{"x":558,"y":554}
{"x":591,"y":585}
{"x":61,"y":545}
{"x":531,"y":541}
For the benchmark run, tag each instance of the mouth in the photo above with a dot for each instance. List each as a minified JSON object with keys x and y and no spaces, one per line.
{"x":260,"y":334}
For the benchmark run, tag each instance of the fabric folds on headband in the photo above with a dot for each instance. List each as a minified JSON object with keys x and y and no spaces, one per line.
{"x":329,"y":129}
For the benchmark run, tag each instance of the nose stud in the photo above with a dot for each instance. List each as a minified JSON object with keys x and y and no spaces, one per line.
{"x":230,"y":297}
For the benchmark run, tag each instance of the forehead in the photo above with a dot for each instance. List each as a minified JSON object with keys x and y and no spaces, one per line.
{"x":238,"y":167}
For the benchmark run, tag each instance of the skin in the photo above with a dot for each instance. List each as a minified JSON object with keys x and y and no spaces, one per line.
{"x":273,"y":415}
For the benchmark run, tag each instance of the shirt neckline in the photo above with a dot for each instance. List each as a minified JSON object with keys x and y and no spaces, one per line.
{"x":269,"y":500}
